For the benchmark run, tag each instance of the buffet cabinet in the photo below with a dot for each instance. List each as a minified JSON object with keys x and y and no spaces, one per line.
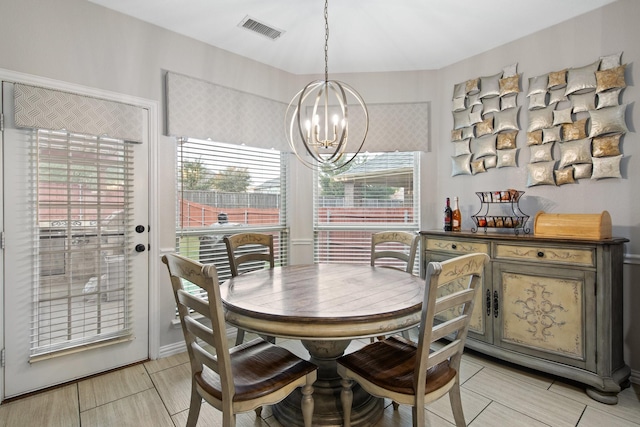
{"x":554,"y":305}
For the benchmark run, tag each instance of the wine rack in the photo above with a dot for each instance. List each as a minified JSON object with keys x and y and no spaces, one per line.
{"x":500,"y":209}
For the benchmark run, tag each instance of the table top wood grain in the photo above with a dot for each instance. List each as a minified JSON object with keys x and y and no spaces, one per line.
{"x":324,"y":301}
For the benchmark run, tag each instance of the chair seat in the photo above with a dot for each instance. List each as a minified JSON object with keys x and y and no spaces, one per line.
{"x":258,"y":368}
{"x":390,"y":364}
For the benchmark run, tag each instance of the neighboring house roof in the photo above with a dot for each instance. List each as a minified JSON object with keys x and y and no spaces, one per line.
{"x":269,"y":186}
{"x":389,"y":169}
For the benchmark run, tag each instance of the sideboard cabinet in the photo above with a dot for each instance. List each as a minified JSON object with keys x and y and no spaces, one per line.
{"x":554,"y":305}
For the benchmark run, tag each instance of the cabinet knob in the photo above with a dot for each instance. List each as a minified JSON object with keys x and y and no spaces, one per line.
{"x":540,"y":254}
{"x":454,"y":246}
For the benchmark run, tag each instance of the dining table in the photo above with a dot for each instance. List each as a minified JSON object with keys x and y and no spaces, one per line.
{"x":325,"y":306}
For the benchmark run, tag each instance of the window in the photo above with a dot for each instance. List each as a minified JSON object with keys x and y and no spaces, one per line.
{"x":375,"y":192}
{"x":225,"y":189}
{"x":82,"y":194}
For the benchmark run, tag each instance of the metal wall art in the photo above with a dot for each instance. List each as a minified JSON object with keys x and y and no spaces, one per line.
{"x":579,"y":111}
{"x":485,"y":121}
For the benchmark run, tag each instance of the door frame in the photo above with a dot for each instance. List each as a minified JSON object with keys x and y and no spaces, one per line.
{"x":153,"y":198}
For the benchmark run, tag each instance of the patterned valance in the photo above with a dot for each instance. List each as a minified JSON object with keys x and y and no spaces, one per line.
{"x":42,"y":108}
{"x":398,"y":127}
{"x":202,"y":110}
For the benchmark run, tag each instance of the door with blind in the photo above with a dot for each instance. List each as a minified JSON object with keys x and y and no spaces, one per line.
{"x":76,"y":240}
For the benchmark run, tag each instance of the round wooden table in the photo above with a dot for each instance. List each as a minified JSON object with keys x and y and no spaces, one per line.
{"x":325,"y":306}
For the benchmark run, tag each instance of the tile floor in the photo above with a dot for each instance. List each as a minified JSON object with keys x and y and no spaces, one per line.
{"x":156,"y":394}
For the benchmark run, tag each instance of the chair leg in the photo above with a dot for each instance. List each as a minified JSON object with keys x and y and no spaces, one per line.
{"x":418,"y":416}
{"x":239,"y":336}
{"x":194,"y":406}
{"x":456,"y":404}
{"x":346,"y":397}
{"x":307,"y":403}
{"x":228,"y":419}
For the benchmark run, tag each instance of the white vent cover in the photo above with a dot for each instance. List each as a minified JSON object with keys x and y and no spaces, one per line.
{"x":260,"y":28}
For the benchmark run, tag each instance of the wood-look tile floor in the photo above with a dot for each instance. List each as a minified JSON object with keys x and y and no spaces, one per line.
{"x":156,"y":394}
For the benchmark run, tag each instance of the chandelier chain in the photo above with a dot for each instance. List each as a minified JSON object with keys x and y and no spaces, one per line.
{"x":326,"y":40}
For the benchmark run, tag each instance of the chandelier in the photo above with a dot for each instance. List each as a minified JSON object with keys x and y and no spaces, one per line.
{"x":318,"y":119}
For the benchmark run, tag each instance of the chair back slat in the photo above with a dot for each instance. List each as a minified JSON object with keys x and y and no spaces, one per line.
{"x":194,"y":303}
{"x":205,"y":357}
{"x":466,"y":269}
{"x":394,"y":245}
{"x":216,"y":354}
{"x":445,"y":353}
{"x":450,"y":327}
{"x":456,"y":299}
{"x":199,"y":330}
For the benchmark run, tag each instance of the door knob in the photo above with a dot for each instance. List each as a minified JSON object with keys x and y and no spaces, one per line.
{"x":140,"y":247}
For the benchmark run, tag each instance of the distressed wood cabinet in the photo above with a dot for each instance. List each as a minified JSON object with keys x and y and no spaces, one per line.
{"x":554,"y":305}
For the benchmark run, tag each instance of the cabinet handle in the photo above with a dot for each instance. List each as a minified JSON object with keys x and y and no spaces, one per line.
{"x":488,"y":302}
{"x":495,"y":304}
{"x":454,"y":246}
{"x":540,"y":254}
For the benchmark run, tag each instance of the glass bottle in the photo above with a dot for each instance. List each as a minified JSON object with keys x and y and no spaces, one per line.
{"x":447,"y":216}
{"x":456,"y":217}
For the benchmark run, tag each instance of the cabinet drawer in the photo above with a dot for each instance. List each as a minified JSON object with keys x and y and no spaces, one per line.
{"x":546,"y":254}
{"x":457,"y":246}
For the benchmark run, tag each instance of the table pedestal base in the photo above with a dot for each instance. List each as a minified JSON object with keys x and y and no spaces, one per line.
{"x":366,"y":409}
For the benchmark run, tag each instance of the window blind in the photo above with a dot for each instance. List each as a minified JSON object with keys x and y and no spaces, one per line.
{"x":82,"y":192}
{"x":225,"y":189}
{"x":376,"y":192}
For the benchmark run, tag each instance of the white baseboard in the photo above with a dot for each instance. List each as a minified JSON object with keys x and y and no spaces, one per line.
{"x":171,"y":349}
{"x":179,"y":347}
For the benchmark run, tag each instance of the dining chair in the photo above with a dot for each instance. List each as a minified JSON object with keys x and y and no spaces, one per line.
{"x":397,"y":247}
{"x":411,"y":373}
{"x":237,"y":379}
{"x":249,"y":252}
{"x":394,"y":246}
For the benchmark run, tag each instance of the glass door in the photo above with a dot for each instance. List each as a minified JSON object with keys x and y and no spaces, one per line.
{"x":75,"y":255}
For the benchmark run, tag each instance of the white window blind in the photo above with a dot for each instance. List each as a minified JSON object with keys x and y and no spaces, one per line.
{"x":225,"y":189}
{"x":82,"y":193}
{"x":376,"y":192}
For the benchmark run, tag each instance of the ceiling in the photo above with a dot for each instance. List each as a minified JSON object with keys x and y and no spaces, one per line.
{"x":365,"y":35}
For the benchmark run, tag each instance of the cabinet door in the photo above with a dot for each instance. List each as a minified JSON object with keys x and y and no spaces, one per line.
{"x":547,"y":312}
{"x":480,"y":325}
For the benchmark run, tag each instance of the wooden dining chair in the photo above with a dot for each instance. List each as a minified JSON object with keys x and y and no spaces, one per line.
{"x":410,"y":373}
{"x":390,"y":246}
{"x":249,"y":252}
{"x":394,"y":249}
{"x":238,"y":379}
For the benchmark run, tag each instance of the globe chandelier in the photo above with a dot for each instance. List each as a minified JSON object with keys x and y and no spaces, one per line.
{"x":318,"y":118}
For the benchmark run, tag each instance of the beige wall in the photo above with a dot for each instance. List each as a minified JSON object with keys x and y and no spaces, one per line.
{"x":78,"y":42}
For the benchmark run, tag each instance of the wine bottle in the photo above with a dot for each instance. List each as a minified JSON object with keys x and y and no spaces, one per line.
{"x":456,"y":217}
{"x":447,"y":216}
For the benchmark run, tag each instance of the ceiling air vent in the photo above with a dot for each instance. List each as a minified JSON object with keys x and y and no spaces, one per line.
{"x":260,"y":28}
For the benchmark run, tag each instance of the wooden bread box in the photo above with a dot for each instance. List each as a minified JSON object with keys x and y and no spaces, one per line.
{"x":573,"y":226}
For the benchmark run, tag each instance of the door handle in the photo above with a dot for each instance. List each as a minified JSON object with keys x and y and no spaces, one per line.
{"x":488,"y":302}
